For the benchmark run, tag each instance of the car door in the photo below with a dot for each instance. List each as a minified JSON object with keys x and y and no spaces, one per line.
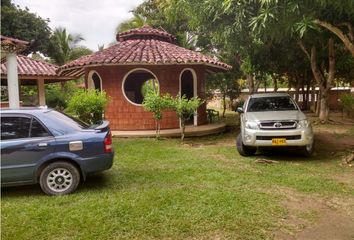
{"x":24,"y":142}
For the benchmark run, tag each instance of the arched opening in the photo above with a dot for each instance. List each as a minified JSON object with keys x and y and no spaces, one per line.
{"x":94,"y":81}
{"x":188,"y":87}
{"x":136,"y":83}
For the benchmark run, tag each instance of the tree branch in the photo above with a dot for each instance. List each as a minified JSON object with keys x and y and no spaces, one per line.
{"x":350,"y":29}
{"x":316,"y":72}
{"x":337,"y":31}
{"x":303,"y":48}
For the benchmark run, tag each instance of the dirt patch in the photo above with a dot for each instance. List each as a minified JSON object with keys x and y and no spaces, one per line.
{"x":333,"y":139}
{"x":313,"y":217}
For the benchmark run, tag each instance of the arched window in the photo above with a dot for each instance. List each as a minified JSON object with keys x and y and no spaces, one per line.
{"x":94,"y":81}
{"x":188,"y":87}
{"x":136,"y":83}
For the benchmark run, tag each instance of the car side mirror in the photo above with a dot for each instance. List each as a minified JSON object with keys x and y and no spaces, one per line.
{"x":239,"y":110}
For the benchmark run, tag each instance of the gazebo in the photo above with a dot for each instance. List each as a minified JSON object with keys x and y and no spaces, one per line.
{"x":32,"y":72}
{"x":9,"y":48}
{"x":144,"y":55}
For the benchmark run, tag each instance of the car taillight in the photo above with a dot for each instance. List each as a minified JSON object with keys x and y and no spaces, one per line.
{"x":108,"y":143}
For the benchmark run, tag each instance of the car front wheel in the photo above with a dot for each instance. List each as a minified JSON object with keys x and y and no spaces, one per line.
{"x":59,"y":178}
{"x":242,"y":149}
{"x":308,"y":150}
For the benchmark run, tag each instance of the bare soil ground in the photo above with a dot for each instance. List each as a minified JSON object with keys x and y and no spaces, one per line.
{"x":317,"y":217}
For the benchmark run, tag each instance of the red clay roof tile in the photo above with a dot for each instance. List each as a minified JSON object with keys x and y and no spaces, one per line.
{"x":30,"y":67}
{"x":145,"y":45}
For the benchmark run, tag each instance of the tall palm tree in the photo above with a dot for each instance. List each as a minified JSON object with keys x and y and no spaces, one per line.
{"x":135,"y":22}
{"x":63,"y":44}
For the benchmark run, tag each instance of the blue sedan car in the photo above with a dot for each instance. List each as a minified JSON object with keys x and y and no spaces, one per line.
{"x":50,"y":148}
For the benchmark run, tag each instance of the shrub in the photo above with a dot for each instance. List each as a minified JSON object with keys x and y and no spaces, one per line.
{"x":88,"y":105}
{"x":347,"y":101}
{"x":59,"y":94}
{"x":54,"y":97}
{"x":185,"y":108}
{"x":156,"y":103}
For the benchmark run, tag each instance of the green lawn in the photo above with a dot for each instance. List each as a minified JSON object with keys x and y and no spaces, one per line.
{"x":201,"y":189}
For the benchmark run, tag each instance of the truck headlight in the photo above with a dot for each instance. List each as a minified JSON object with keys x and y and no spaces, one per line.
{"x":251,"y":125}
{"x":303,"y":124}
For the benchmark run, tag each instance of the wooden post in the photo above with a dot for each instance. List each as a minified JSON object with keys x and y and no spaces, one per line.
{"x":41,"y":91}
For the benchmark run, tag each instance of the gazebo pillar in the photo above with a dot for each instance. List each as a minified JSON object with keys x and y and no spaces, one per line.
{"x":12,"y":80}
{"x":41,"y":92}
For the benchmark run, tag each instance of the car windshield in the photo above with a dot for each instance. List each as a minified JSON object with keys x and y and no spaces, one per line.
{"x":69,"y":120}
{"x":262,"y":104}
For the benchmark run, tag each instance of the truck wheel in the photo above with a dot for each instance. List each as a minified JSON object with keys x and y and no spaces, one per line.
{"x":242,"y":149}
{"x":307,"y":150}
{"x":59,"y":178}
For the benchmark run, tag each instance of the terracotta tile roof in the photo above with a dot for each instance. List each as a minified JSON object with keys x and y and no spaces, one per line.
{"x":30,"y":67}
{"x":12,"y":44}
{"x":144,"y":46}
{"x":146,"y":32}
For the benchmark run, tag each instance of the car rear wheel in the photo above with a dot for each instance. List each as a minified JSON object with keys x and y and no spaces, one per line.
{"x":242,"y":149}
{"x":59,"y":178}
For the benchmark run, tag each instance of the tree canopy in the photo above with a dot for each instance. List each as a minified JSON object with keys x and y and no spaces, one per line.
{"x":22,"y":24}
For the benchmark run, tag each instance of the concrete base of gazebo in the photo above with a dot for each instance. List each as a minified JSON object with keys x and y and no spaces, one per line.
{"x":191,"y":131}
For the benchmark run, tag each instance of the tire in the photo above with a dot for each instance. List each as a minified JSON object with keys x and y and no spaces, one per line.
{"x":244,"y":150}
{"x":59,"y":178}
{"x":308,"y":150}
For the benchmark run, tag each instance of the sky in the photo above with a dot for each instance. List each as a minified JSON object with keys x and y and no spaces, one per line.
{"x":95,"y":20}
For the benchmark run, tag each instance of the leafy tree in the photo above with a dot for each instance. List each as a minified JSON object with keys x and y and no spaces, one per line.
{"x":100,"y":47}
{"x":185,"y":108}
{"x":58,"y":96}
{"x":88,"y":105}
{"x":156,"y":103}
{"x":302,"y":18}
{"x":62,"y":45}
{"x":227,"y":84}
{"x":78,"y":52}
{"x":22,"y":24}
{"x":135,"y":22}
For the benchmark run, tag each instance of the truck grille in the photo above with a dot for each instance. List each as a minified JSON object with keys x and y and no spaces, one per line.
{"x":294,"y":137}
{"x":276,"y":125}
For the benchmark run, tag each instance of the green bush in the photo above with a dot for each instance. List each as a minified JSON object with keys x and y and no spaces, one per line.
{"x":54,"y":97}
{"x":156,"y":104}
{"x":59,"y":94}
{"x":347,"y":101}
{"x":88,"y":105}
{"x":185,"y":109}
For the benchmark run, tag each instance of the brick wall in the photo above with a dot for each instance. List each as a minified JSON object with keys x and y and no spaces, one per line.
{"x":126,"y":116}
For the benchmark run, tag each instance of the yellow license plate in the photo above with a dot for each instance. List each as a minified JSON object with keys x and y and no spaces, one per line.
{"x":278,"y":141}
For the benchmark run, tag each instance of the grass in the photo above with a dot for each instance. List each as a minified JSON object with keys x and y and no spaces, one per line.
{"x":201,"y":189}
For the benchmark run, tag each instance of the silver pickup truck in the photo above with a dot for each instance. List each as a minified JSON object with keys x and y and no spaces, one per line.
{"x":273,"y":120}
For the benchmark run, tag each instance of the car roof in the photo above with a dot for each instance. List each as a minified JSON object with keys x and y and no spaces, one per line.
{"x":261,"y":95}
{"x":26,"y":110}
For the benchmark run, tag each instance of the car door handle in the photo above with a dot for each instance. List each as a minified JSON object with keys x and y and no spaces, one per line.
{"x":42,"y":144}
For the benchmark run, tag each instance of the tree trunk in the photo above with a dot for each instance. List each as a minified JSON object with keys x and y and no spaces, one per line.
{"x":297,"y":91}
{"x":347,"y":39}
{"x":275,"y":83}
{"x":224,"y":104}
{"x":324,"y":107}
{"x":324,"y":83}
{"x":318,"y":103}
{"x":157,"y":122}
{"x":313,"y":94}
{"x":256,"y":86}
{"x":62,"y":86}
{"x":183,"y":128}
{"x":250,"y":83}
